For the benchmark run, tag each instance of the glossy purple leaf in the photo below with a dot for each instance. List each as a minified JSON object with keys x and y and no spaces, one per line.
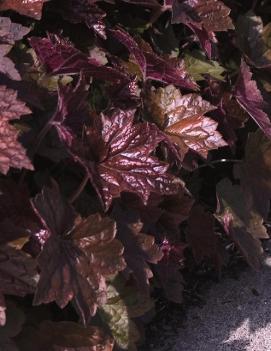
{"x":250,"y":99}
{"x":124,"y":162}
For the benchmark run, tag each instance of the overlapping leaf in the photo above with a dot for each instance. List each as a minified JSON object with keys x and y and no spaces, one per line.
{"x":77,"y":256}
{"x":139,"y":249}
{"x":182,"y":118}
{"x":250,"y":99}
{"x":153,"y":66}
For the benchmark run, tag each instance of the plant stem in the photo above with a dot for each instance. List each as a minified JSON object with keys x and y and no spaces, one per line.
{"x":79,"y":190}
{"x":223,"y":160}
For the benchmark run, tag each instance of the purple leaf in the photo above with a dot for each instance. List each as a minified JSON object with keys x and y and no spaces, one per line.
{"x":250,"y":99}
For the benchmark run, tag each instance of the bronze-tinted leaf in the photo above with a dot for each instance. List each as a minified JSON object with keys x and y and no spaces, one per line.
{"x":77,"y":257}
{"x":182,"y":117}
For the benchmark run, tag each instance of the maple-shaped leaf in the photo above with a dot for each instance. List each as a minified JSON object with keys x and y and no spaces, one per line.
{"x":72,"y":111}
{"x":250,"y":99}
{"x":18,"y":272}
{"x":119,"y":158}
{"x":64,"y":336}
{"x":182,"y":118}
{"x":30,"y":8}
{"x":254,"y":171}
{"x":12,"y":153}
{"x":203,"y":17}
{"x":153,"y":66}
{"x":139,"y":248}
{"x":77,"y":256}
{"x":241,"y":221}
{"x":254,"y":39}
{"x":59,"y":56}
{"x":83,"y":11}
{"x":202,"y":238}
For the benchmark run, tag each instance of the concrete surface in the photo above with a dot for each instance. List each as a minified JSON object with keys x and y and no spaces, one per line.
{"x":236,"y":316}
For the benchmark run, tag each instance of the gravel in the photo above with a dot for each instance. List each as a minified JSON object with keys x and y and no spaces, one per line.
{"x":236,"y":317}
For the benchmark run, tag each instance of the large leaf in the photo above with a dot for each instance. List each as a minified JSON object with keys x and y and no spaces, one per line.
{"x":241,"y":221}
{"x":250,"y":99}
{"x":119,"y":159}
{"x":182,"y":118}
{"x":30,"y":8}
{"x":77,"y":257}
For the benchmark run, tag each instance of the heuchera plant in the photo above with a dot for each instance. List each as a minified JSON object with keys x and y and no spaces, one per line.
{"x":135,"y":139}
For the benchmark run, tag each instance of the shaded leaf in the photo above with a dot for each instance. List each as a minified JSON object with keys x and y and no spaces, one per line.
{"x":11,"y":32}
{"x":182,"y":118}
{"x":253,"y":39}
{"x":250,"y":99}
{"x":30,"y":8}
{"x":254,"y":171}
{"x":202,"y":238}
{"x":6,"y":64}
{"x":139,"y":249}
{"x":18,"y":272}
{"x":241,"y":221}
{"x":77,"y":256}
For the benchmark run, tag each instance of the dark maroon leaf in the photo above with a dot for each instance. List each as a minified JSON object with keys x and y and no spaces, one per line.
{"x":17,"y":218}
{"x":250,"y":99}
{"x":202,"y":238}
{"x":139,"y":248}
{"x":124,"y":163}
{"x":30,"y":8}
{"x":84,"y":11}
{"x":77,"y":257}
{"x":72,"y":111}
{"x":18,"y":272}
{"x":133,"y":47}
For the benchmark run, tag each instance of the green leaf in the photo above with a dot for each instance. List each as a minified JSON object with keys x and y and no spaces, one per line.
{"x":197,"y":66}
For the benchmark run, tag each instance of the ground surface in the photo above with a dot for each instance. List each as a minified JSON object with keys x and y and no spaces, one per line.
{"x":235,"y":317}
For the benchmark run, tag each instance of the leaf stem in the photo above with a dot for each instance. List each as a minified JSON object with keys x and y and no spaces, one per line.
{"x":222,"y":160}
{"x":79,"y":190}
